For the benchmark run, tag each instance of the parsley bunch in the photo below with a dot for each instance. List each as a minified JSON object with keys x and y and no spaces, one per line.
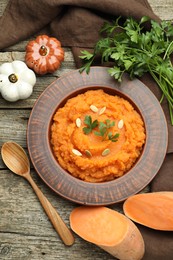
{"x":137,"y":51}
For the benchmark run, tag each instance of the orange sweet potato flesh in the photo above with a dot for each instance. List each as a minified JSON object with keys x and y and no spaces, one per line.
{"x":108,"y":229}
{"x":154,"y":210}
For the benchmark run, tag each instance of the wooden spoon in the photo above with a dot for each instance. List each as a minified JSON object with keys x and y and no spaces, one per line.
{"x":17,"y":161}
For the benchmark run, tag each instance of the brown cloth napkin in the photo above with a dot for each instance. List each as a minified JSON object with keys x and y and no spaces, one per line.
{"x":76,"y":24}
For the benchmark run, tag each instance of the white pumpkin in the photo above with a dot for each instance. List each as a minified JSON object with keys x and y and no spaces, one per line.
{"x":16,"y":80}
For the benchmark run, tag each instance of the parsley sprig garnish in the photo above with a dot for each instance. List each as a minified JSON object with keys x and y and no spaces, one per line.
{"x":90,"y":124}
{"x":137,"y":51}
{"x":103,"y":128}
{"x":104,"y":131}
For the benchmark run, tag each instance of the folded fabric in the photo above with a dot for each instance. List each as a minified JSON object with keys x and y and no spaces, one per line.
{"x":158,"y":244}
{"x":73,"y":22}
{"x":76,"y":23}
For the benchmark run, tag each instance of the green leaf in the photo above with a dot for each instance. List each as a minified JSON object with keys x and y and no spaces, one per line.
{"x":90,"y":125}
{"x":144,"y":19}
{"x":102,"y":45}
{"x":109,"y":124}
{"x":113,"y":138}
{"x":115,"y":72}
{"x":98,"y":133}
{"x":168,"y":28}
{"x":88,"y":120}
{"x":86,"y":55}
{"x":127,"y":64}
{"x":109,"y":135}
{"x":94,"y":124}
{"x":146,"y":40}
{"x":116,"y":55}
{"x":109,"y":28}
{"x":131,"y":24}
{"x":86,"y":67}
{"x":133,"y":35}
{"x":103,"y":130}
{"x":106,"y":55}
{"x":87,"y":130}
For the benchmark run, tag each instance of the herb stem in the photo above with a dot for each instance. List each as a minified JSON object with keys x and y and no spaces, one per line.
{"x":164,"y":90}
{"x":167,"y":50}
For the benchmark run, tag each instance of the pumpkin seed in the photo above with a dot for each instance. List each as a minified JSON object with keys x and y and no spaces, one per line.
{"x":120,"y":124}
{"x":106,"y":152}
{"x":102,"y":110}
{"x":76,"y":152}
{"x":78,"y":122}
{"x":94,"y":108}
{"x":88,"y":153}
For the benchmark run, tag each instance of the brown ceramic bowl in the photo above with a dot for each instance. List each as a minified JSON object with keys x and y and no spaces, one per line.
{"x":76,"y":190}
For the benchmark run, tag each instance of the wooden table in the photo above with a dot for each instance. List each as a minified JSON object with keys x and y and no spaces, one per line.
{"x":25,"y":231}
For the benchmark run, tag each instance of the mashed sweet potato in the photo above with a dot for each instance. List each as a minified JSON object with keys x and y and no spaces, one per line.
{"x":91,"y":157}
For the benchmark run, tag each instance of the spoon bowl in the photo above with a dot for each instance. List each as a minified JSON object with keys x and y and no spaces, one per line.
{"x":15,"y":158}
{"x":17,"y":161}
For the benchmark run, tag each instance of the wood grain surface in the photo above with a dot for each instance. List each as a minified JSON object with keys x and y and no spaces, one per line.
{"x":25,"y":231}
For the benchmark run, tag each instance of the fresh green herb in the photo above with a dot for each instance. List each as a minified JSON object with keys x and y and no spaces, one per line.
{"x":113,"y":138}
{"x":89,"y":57}
{"x":104,"y":131}
{"x":102,"y":127}
{"x":90,"y":124}
{"x":137,"y":51}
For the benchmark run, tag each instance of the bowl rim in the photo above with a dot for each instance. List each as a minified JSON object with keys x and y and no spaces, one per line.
{"x":65,"y":184}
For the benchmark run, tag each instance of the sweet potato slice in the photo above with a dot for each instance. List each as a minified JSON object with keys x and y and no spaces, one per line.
{"x":154,"y":210}
{"x":108,"y":229}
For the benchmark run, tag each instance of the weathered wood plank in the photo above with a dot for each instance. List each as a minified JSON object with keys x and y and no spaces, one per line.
{"x":163,"y":8}
{"x":20,"y":200}
{"x":21,"y":205}
{"x":25,"y":230}
{"x":13,"y":126}
{"x":3,"y":4}
{"x":21,"y":247}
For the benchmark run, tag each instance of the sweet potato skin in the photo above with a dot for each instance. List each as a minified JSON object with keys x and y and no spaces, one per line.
{"x":129,"y":247}
{"x":153,"y":210}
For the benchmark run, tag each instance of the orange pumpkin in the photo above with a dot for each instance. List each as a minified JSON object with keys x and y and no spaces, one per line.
{"x":44,"y":54}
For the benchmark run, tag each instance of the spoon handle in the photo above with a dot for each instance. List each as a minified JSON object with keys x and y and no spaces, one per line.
{"x":59,"y":225}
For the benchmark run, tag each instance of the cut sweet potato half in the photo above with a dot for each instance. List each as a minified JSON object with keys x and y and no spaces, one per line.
{"x":154,"y":210}
{"x":110,"y":230}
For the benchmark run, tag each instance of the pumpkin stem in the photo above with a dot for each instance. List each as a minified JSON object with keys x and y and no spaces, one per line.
{"x":13,"y":78}
{"x":43,"y":50}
